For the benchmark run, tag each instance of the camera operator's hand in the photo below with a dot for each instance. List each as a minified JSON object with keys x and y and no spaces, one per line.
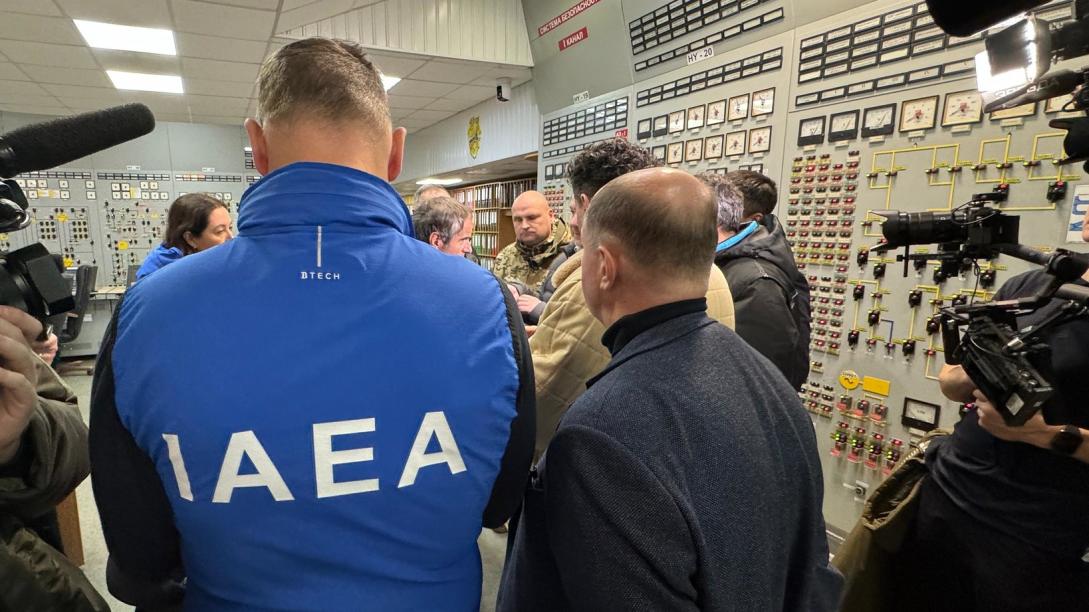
{"x":18,"y":377}
{"x":955,"y":384}
{"x":1035,"y":431}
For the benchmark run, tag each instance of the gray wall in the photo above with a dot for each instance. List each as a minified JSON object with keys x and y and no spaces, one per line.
{"x":507,"y":129}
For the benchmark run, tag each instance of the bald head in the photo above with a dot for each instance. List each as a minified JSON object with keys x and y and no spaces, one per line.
{"x":532,"y":218}
{"x":662,"y":219}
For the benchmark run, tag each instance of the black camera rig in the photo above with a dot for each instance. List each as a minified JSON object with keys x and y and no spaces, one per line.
{"x":994,"y":351}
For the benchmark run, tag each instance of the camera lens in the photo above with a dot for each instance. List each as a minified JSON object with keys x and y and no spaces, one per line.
{"x":902,"y":228}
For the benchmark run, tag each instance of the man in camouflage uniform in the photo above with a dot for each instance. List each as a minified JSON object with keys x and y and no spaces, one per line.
{"x":539,"y":237}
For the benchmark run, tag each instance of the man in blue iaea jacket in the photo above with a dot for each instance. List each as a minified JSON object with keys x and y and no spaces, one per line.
{"x":321,"y":413}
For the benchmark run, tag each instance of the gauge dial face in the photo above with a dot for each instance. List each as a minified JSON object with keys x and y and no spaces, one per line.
{"x":763,"y":102}
{"x":693,"y":150}
{"x":695,"y":117}
{"x":962,"y":108}
{"x":735,"y":143}
{"x":878,"y":121}
{"x":1025,"y":110}
{"x":845,"y":122}
{"x":813,"y":127}
{"x":739,"y":107}
{"x":919,"y":114}
{"x":716,"y":112}
{"x":760,"y":140}
{"x":1056,"y":105}
{"x":675,"y":155}
{"x":659,"y":152}
{"x":676,"y":121}
{"x":661,"y":125}
{"x":920,"y":415}
{"x":844,"y":126}
{"x":811,"y":131}
{"x":712,"y":147}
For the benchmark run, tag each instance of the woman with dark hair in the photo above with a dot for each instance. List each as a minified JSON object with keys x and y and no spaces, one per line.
{"x":196,"y":222}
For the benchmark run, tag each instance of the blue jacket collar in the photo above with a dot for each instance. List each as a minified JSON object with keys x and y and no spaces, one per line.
{"x":310,"y":193}
{"x":736,"y":238}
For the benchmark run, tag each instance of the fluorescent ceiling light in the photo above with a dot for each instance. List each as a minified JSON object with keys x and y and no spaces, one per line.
{"x":389,"y":81}
{"x":136,"y":81}
{"x":127,"y":38}
{"x":442,"y":182}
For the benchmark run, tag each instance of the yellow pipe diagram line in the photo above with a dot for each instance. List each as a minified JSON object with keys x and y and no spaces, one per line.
{"x":892,"y":167}
{"x":1037,"y":156}
{"x":1005,"y":159}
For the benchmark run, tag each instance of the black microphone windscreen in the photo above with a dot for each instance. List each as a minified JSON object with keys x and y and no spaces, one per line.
{"x":966,"y":17}
{"x":47,"y":145}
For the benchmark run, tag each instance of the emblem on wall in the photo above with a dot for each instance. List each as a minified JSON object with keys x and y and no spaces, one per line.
{"x":474,"y":136}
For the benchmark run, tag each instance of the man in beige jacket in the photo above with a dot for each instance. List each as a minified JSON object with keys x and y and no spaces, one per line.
{"x":566,"y":346}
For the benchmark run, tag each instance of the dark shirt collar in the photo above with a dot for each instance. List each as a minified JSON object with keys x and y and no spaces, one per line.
{"x":627,"y":328}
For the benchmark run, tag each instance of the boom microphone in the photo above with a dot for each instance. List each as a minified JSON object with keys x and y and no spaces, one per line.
{"x":54,"y":143}
{"x":1053,"y":84}
{"x":966,"y":17}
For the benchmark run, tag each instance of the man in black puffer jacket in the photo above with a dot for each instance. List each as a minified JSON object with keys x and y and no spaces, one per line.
{"x":771,"y":297}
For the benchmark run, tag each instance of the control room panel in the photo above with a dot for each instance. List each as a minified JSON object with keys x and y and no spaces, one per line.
{"x":869,"y":108}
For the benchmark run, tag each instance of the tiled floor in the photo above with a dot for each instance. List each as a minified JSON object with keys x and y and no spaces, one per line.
{"x":492,"y":545}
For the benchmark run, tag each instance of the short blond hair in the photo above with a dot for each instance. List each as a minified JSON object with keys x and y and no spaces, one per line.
{"x":325,"y":79}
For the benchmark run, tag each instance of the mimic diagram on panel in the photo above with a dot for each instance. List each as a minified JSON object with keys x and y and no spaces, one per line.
{"x":883,"y":122}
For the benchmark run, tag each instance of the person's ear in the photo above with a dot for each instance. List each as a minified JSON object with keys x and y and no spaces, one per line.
{"x":258,"y":145}
{"x":608,"y":268}
{"x":190,"y":240}
{"x":396,"y":154}
{"x":435,"y":240}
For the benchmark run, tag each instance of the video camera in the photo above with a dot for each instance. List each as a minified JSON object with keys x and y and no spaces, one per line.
{"x":995,"y":353}
{"x":31,"y":279}
{"x":1020,"y":49}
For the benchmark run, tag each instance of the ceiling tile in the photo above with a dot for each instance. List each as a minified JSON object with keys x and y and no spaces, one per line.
{"x":220,"y":20}
{"x":219,"y":48}
{"x":41,"y":54}
{"x":158,"y":102}
{"x":429,"y":115}
{"x":219,"y":119}
{"x":450,"y":72}
{"x":37,"y":7}
{"x":145,"y":13}
{"x":23,"y":88}
{"x":35,"y":109}
{"x":219,"y":70}
{"x":409,"y":102}
{"x":11,"y":72}
{"x":89,"y":104}
{"x":40,"y":29}
{"x":147,"y":63}
{"x":24,"y":99}
{"x":422,"y":88}
{"x":215,"y":105}
{"x":265,"y":5}
{"x":76,"y":91}
{"x":449,"y":104}
{"x":70,"y":76}
{"x":212,"y":87}
{"x":476,"y":93}
{"x":400,"y":67}
{"x":294,"y":4}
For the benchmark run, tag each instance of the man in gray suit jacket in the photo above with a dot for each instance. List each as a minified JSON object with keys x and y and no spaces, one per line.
{"x":686,"y":477}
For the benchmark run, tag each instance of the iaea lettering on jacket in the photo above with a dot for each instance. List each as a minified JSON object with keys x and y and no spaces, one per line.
{"x":326,"y":400}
